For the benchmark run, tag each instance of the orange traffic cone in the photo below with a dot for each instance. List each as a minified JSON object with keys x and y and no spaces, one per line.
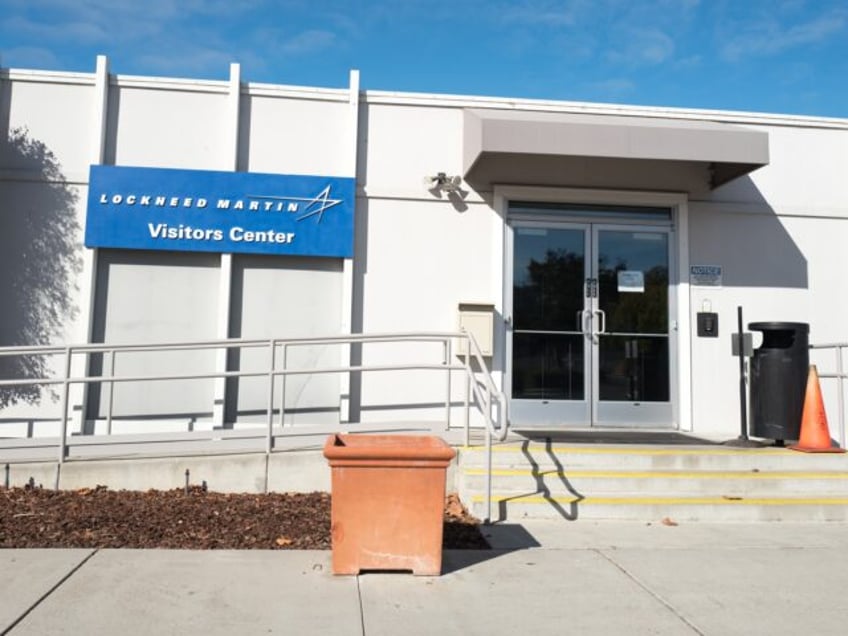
{"x":815,"y":435}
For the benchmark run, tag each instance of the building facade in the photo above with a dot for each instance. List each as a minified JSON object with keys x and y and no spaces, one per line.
{"x":599,"y":237}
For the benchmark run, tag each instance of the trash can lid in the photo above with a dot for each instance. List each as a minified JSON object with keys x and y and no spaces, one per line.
{"x":779,"y":326}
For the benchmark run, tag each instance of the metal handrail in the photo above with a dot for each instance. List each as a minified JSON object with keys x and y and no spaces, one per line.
{"x":499,"y":432}
{"x":490,"y":401}
{"x":840,"y":377}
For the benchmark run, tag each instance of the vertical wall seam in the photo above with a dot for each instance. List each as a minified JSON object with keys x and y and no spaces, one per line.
{"x":347,"y":301}
{"x":685,"y":342}
{"x":99,"y":130}
{"x":225,"y":283}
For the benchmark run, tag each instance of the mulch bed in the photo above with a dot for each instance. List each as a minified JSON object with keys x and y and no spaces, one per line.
{"x":179,"y":519}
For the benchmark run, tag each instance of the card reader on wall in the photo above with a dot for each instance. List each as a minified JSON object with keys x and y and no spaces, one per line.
{"x":707,"y":324}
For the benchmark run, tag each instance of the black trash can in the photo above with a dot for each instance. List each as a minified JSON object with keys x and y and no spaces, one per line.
{"x":779,"y":370}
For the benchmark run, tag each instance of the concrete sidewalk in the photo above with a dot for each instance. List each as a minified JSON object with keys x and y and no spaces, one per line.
{"x":542,"y":577}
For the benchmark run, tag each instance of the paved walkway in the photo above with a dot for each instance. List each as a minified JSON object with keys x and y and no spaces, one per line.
{"x":544,"y":577}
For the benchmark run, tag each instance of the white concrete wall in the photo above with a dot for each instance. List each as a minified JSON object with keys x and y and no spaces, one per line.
{"x":297,"y":298}
{"x":780,"y":238}
{"x":779,"y":234}
{"x":419,"y":254}
{"x":56,"y":109}
{"x":45,"y":127}
{"x":148,"y":297}
{"x":303,"y":133}
{"x":805,"y":175}
{"x":183,"y":126}
{"x":405,"y":143}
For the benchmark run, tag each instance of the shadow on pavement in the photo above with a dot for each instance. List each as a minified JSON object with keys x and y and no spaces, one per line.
{"x":503,"y":539}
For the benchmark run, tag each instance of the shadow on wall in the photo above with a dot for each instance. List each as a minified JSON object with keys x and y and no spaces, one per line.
{"x":753,"y":247}
{"x":39,"y":256}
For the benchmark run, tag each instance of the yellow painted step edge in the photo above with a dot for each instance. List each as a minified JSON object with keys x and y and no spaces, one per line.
{"x":624,"y":450}
{"x":657,"y":474}
{"x":670,"y":501}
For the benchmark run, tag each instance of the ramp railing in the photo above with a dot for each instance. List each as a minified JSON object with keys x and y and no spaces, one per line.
{"x":840,"y":376}
{"x":481,"y":391}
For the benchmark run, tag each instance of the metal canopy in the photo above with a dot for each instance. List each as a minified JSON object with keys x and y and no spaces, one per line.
{"x":561,"y":149}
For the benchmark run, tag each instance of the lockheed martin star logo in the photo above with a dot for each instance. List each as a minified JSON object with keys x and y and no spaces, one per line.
{"x":315,"y":206}
{"x":318,"y":205}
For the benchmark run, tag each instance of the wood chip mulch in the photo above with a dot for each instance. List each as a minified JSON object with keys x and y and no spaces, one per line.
{"x":33,"y":517}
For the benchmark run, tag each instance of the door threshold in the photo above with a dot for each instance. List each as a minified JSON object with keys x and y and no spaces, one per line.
{"x":612,"y":436}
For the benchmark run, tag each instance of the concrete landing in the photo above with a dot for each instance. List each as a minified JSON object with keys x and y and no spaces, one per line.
{"x":542,"y":577}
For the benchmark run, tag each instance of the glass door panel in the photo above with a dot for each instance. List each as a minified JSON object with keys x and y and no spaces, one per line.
{"x":549,"y":270}
{"x":633,"y":369}
{"x":633,"y":281}
{"x":590,"y":339}
{"x":548,"y":367}
{"x":632,"y":379}
{"x":549,"y":362}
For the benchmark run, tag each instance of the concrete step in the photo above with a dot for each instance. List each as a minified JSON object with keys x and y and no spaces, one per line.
{"x":633,"y":457}
{"x":718,"y":483}
{"x":652,"y":482}
{"x":655,"y":509}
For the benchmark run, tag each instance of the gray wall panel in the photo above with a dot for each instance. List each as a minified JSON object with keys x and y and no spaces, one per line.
{"x":157,"y":297}
{"x":286,"y":297}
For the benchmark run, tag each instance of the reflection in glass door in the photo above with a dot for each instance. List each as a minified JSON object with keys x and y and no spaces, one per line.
{"x":630,"y":305}
{"x":590,"y":338}
{"x":549,"y":362}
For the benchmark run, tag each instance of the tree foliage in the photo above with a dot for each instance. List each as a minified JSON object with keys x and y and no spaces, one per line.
{"x":39,"y":258}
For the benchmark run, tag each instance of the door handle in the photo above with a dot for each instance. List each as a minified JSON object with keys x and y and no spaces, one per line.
{"x":602,"y":322}
{"x":581,"y":320}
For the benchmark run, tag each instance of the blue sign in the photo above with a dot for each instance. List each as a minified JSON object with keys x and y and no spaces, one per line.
{"x":207,"y":211}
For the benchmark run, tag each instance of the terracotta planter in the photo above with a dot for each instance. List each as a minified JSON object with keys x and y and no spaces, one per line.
{"x":388,"y":502}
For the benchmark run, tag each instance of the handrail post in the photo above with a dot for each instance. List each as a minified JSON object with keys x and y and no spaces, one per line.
{"x":63,"y":428}
{"x":447,"y":354}
{"x":840,"y":399}
{"x":270,"y":439}
{"x":112,"y":355}
{"x":285,"y":362}
{"x":468,"y":377}
{"x":488,"y":457}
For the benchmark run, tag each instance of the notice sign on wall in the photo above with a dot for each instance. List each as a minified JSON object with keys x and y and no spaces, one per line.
{"x":705,"y":275}
{"x":208,"y":211}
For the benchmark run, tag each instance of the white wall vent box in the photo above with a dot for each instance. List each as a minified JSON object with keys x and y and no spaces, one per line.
{"x":478,"y":319}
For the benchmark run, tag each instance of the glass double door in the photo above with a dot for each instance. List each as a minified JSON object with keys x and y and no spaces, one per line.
{"x":589,"y":335}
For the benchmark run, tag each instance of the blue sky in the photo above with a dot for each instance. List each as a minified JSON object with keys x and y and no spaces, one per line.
{"x":780,"y":56}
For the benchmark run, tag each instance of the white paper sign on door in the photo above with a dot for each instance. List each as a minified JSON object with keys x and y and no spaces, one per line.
{"x":631,"y":281}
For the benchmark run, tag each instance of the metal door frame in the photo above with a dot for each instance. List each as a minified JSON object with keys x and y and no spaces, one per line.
{"x":633,"y":414}
{"x":538,"y":410}
{"x":657,"y":415}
